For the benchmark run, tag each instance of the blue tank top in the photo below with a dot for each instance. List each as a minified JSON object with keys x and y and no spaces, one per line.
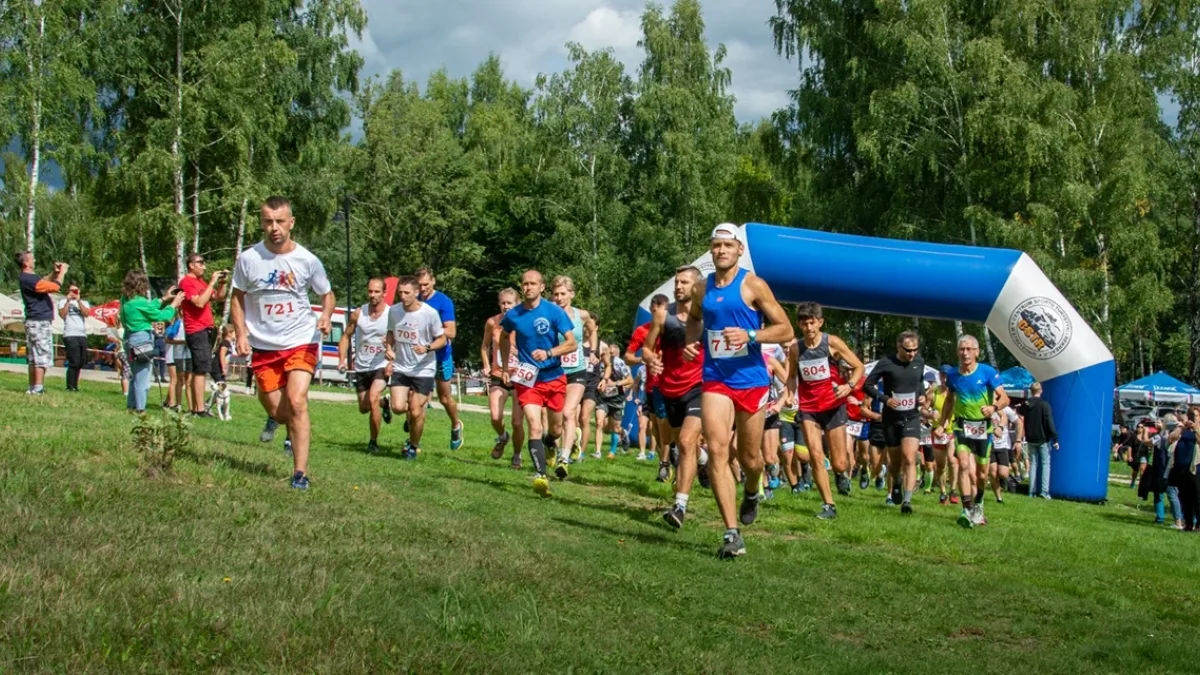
{"x":724,"y":308}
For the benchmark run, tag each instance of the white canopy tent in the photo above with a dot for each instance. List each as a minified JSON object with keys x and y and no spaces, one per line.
{"x":12,"y":318}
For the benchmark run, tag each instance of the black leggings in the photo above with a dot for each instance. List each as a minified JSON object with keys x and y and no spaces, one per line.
{"x":76,"y":358}
{"x":1185,"y":482}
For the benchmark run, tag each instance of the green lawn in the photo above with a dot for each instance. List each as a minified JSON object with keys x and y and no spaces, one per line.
{"x":452,"y":564}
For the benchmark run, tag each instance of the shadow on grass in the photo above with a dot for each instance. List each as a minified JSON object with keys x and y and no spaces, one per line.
{"x":1136,"y":519}
{"x":645,"y":515}
{"x":653,"y":538}
{"x":206,"y":458}
{"x":637,"y":486}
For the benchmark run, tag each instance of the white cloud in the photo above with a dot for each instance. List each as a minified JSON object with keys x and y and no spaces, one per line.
{"x":418,"y":37}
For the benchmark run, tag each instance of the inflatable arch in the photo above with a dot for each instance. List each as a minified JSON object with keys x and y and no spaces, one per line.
{"x":1003,"y":289}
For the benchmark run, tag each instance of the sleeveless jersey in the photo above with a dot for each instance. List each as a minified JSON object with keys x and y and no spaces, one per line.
{"x":497,"y":358}
{"x":575,"y":362}
{"x":369,"y":353}
{"x":816,"y":387}
{"x":679,"y":375}
{"x":741,"y":368}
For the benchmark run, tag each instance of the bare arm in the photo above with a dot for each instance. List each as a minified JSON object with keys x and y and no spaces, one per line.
{"x":327,"y":301}
{"x":843,"y":352}
{"x":505,"y":348}
{"x":451,"y":329}
{"x":62,"y":311}
{"x":237,"y":313}
{"x":793,"y":375}
{"x":567,"y":346}
{"x":591,"y":335}
{"x":485,"y":348}
{"x":947,"y":409}
{"x":695,"y":320}
{"x":1000,"y":402}
{"x":438,"y":342}
{"x":779,"y":329}
{"x":344,"y":341}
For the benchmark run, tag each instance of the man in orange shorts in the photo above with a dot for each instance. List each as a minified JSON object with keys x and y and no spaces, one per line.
{"x":271,"y":311}
{"x":538,"y":333}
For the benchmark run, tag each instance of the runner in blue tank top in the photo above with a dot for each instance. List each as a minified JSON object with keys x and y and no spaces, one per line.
{"x":731,"y":315}
{"x":574,"y":364}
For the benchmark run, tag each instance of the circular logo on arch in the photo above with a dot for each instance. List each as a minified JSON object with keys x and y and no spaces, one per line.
{"x":1040,"y":328}
{"x":542,"y":326}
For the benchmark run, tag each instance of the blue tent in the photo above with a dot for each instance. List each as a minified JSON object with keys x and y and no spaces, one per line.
{"x":1017,"y":381}
{"x":1159,"y":387}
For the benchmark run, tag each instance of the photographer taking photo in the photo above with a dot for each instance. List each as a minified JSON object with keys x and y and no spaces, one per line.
{"x":39,"y":312}
{"x":199,"y":330}
{"x":74,"y":312}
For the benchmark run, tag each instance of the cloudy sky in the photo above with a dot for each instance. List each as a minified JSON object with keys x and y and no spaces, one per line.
{"x":420,"y":36}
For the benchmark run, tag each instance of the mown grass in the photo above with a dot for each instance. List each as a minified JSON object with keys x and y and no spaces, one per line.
{"x":452,"y":564}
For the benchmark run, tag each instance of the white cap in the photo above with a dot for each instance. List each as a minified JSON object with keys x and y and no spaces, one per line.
{"x":726,"y":231}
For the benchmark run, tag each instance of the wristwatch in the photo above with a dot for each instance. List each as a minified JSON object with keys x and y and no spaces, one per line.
{"x":753,"y":334}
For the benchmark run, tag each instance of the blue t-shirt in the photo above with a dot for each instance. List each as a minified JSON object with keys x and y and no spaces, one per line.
{"x":538,"y":328}
{"x":445,"y":309}
{"x":972,"y":392}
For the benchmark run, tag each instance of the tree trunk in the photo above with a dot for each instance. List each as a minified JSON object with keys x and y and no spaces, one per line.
{"x":241,"y":234}
{"x":1106,"y":294}
{"x":195,"y":208}
{"x":987,"y":340}
{"x":1194,"y":298}
{"x":32,"y":59}
{"x":177,"y":144}
{"x":142,"y":245}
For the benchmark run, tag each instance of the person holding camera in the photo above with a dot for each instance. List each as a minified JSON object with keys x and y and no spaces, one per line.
{"x":74,"y":311}
{"x":39,"y":312}
{"x":138,"y":315}
{"x":1181,"y":477}
{"x":198,"y":327}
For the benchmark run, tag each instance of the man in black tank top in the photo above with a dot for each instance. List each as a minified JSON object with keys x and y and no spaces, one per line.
{"x":902,"y":379}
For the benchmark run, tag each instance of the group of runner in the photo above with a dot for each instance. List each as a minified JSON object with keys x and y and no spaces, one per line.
{"x":730,"y":388}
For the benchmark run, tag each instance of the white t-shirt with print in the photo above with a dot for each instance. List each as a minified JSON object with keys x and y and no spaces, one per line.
{"x":75,"y":325}
{"x":419,"y":327}
{"x":278,"y":314}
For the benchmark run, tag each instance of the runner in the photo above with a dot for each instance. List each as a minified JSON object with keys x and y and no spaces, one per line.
{"x":812,"y":363}
{"x":656,"y":402}
{"x":445,"y":356}
{"x":612,"y":402}
{"x":794,"y":458}
{"x":943,"y":441}
{"x":1007,"y":427}
{"x":538,"y":333}
{"x":728,"y":314}
{"x":903,"y":378}
{"x":775,"y":358}
{"x":601,"y":369}
{"x":975,"y":394}
{"x":271,"y":310}
{"x":369,"y":325}
{"x":415,"y":333}
{"x":928,"y":458}
{"x":498,"y":389}
{"x":861,"y":420}
{"x":573,"y":363}
{"x":680,"y":381}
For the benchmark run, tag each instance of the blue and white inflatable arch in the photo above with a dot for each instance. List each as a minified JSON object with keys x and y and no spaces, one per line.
{"x":1003,"y":289}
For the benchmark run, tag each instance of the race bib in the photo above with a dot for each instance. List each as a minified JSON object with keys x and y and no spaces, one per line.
{"x":372,"y":349}
{"x":405,"y":335}
{"x":926,"y":435}
{"x":854,"y":429}
{"x":905,"y":402}
{"x":280,"y":310}
{"x":524,"y":374}
{"x":975,"y":430}
{"x":570,"y":360}
{"x":815,"y":370}
{"x":720,"y":348}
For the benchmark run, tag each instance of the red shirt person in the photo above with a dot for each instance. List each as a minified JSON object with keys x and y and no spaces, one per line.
{"x":198,"y":322}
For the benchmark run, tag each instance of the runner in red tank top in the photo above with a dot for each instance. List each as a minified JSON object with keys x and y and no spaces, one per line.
{"x":498,"y":391}
{"x":812,"y":371}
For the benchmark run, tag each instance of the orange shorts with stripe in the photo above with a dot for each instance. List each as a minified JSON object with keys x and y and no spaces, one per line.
{"x":271,"y":367}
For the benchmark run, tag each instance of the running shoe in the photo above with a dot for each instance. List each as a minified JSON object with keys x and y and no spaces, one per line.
{"x":774,"y":483}
{"x":597,"y":455}
{"x":299,"y":481}
{"x":943,"y":499}
{"x":879,"y":483}
{"x":843,"y":485}
{"x":268,"y":432}
{"x":385,"y":408}
{"x":675,"y":517}
{"x":827,"y":512}
{"x":702,"y":475}
{"x":650,"y":456}
{"x":864,"y":481}
{"x":977,"y":516}
{"x":498,"y":448}
{"x":906,"y":509}
{"x":748,"y":512}
{"x":516,"y":462}
{"x":927,"y":491}
{"x":410,"y":450}
{"x":287,"y":446}
{"x":664,"y":472}
{"x":372,"y":448}
{"x":768,"y":493}
{"x":953,"y":497}
{"x":641,"y":457}
{"x":964,"y":519}
{"x":732,"y":546}
{"x":897,"y":496}
{"x":456,"y":436}
{"x":855,"y":473}
{"x":797,"y":488}
{"x":611,"y":455}
{"x":889,"y":501}
{"x":541,"y":486}
{"x":1000,"y":500}
{"x":561,"y":471}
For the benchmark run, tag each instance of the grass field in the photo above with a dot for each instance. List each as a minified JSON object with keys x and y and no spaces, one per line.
{"x":452,"y":564}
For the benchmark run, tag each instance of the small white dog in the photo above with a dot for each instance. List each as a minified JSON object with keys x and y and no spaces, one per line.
{"x":219,"y":401}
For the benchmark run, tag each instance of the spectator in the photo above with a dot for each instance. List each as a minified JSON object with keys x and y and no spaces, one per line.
{"x":116,"y":358}
{"x":1040,"y":438}
{"x":1181,"y":478}
{"x":1153,"y":450}
{"x":198,"y":326}
{"x":74,"y":312}
{"x":39,"y":313}
{"x":160,"y":353}
{"x":138,"y":314}
{"x":1123,"y":444}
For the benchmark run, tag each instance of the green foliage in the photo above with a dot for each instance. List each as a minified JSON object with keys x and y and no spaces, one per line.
{"x":158,"y":439}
